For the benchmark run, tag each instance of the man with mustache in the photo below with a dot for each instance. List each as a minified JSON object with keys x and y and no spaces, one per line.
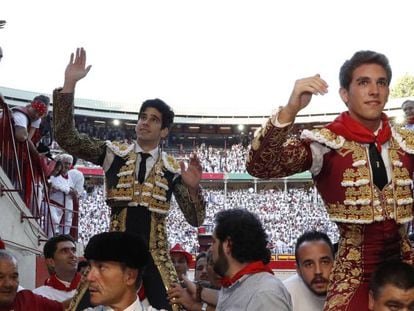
{"x":314,"y":254}
{"x":117,"y":261}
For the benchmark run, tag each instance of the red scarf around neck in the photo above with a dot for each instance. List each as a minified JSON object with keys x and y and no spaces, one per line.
{"x":54,"y":282}
{"x":251,"y":268}
{"x":352,"y":130}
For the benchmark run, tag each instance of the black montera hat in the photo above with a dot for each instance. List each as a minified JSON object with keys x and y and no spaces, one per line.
{"x":123,"y":247}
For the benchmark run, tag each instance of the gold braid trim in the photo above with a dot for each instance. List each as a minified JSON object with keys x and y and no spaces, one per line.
{"x":406,"y":248}
{"x":194,"y":211}
{"x":80,"y":291}
{"x":274,"y":154}
{"x":158,"y":247}
{"x":346,"y":275}
{"x":118,"y":221}
{"x":81,"y":145}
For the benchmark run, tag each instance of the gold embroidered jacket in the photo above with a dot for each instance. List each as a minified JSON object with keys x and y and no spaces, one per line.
{"x":345,"y":181}
{"x":124,"y":191}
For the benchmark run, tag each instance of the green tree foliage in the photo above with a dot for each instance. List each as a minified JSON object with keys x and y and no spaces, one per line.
{"x":404,"y":87}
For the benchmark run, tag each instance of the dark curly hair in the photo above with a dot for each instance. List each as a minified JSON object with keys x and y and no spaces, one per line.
{"x":165,"y":110}
{"x":246,"y":233}
{"x":361,"y":58}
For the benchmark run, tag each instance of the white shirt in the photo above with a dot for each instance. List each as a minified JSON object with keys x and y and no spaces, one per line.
{"x":20,"y":119}
{"x":53,"y":293}
{"x":303,"y":299}
{"x":136,"y":306}
{"x":77,"y":180}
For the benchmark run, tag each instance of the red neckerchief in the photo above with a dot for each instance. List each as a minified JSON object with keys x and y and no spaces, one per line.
{"x":141,"y":293}
{"x":251,"y":268}
{"x":352,"y":130}
{"x":54,"y":282}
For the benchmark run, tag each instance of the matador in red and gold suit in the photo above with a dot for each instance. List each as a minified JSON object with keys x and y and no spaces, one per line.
{"x":372,"y":217}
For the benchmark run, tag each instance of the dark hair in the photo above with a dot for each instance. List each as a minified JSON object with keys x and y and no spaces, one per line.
{"x":246,"y":233}
{"x":310,"y":236}
{"x":44,"y":99}
{"x":396,"y":273}
{"x":165,"y":110}
{"x":51,"y":245}
{"x":201,"y":255}
{"x":82,"y":264}
{"x":361,"y":58}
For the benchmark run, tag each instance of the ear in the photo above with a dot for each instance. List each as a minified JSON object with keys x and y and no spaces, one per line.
{"x":164,"y":132}
{"x":50,"y":263}
{"x":344,"y":95}
{"x":131,"y":276}
{"x":371,"y":300}
{"x":227,"y":246}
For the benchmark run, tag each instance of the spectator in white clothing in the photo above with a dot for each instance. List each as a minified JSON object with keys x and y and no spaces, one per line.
{"x":62,"y":194}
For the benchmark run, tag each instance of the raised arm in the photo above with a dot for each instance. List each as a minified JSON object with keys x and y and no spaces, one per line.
{"x":301,"y":96}
{"x":75,"y":70}
{"x":273,"y":153}
{"x":80,"y":145}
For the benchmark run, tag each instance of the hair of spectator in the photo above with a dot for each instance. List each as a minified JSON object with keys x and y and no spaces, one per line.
{"x":209,"y":257}
{"x":362,"y":58}
{"x":313,"y":236}
{"x":82,"y":264}
{"x":396,"y":273}
{"x":201,"y":255}
{"x":246,"y":234}
{"x":64,"y":157}
{"x":51,"y":245}
{"x":44,"y":99}
{"x":165,"y":110}
{"x":6,"y":255}
{"x":408,"y":101}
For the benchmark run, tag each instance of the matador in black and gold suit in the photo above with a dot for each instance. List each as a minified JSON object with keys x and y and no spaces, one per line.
{"x":137,"y":207}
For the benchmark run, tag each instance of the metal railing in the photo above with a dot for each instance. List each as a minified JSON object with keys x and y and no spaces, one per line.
{"x":27,"y":175}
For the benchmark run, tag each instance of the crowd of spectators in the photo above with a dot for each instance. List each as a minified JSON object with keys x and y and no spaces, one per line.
{"x":104,"y":130}
{"x":93,"y":214}
{"x":220,"y":160}
{"x":285,"y":215}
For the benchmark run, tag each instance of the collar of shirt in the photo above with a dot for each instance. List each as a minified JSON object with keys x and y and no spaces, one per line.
{"x":154,"y":152}
{"x":136,"y":306}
